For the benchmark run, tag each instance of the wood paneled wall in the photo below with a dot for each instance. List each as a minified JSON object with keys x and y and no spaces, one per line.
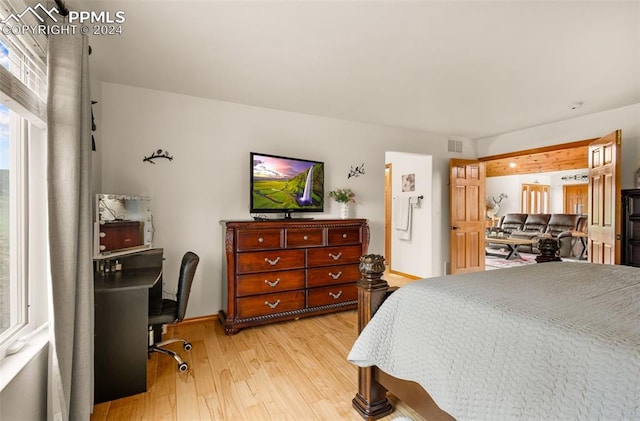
{"x":568,"y":156}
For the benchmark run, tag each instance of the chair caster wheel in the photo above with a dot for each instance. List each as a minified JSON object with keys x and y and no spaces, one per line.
{"x":183,"y":367}
{"x":187,"y":346}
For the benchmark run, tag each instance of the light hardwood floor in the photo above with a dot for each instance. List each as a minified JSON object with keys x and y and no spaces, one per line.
{"x":296,"y":370}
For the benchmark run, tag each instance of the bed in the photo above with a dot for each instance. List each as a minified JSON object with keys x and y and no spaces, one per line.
{"x":552,"y":341}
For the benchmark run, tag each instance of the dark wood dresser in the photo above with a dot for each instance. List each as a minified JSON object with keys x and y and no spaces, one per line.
{"x":281,"y":270}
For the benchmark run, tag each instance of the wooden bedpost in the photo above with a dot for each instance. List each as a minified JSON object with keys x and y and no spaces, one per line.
{"x":549,"y":249}
{"x":371,"y":400}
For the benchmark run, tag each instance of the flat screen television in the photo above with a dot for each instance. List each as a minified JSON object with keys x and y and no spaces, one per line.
{"x":281,"y":184}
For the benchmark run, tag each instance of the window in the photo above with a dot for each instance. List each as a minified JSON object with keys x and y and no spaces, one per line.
{"x":12,"y":294}
{"x":5,"y":235}
{"x":535,"y":198}
{"x":23,"y":232}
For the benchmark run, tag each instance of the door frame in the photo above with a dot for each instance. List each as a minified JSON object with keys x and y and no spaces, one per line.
{"x":523,"y":154}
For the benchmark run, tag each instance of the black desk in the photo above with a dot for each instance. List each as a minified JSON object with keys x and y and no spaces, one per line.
{"x":121,"y":328}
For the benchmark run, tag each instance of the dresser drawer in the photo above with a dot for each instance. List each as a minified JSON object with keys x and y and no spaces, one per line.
{"x":259,"y":240}
{"x":329,"y":275}
{"x":306,"y":237}
{"x":269,"y":282}
{"x":331,"y":295}
{"x":270,"y":303}
{"x":346,"y":235}
{"x":263,"y":261}
{"x":333,"y":256}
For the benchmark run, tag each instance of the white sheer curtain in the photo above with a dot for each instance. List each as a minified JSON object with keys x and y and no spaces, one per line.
{"x":70,"y":232}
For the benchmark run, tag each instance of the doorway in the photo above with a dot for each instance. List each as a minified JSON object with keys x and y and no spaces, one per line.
{"x":575,"y":198}
{"x":603,"y":163}
{"x":408,"y":220}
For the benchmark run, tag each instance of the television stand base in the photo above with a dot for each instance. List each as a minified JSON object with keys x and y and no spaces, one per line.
{"x":263,"y":219}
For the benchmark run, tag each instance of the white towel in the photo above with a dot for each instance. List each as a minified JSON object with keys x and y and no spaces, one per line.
{"x":401,"y":213}
{"x":402,"y":217}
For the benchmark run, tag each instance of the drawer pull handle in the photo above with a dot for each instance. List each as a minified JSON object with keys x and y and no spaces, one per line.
{"x":335,"y":296}
{"x":260,"y":240}
{"x":344,"y":235}
{"x":335,"y":275}
{"x":272,"y":284}
{"x":335,"y":256}
{"x":274,"y":305}
{"x":306,"y":237}
{"x":272,"y":262}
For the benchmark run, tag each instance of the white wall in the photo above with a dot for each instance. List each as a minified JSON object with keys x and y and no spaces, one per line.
{"x":25,"y":397}
{"x":413,"y":256}
{"x":208,"y":179}
{"x":589,"y":126}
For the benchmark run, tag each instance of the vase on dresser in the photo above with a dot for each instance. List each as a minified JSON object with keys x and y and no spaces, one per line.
{"x":344,"y":210}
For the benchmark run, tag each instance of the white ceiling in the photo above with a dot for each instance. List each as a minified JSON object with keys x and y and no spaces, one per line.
{"x":468,"y":69}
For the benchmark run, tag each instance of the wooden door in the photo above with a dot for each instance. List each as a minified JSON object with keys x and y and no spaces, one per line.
{"x":575,"y":198}
{"x":604,"y":202}
{"x":387,"y":214}
{"x":467,"y":215}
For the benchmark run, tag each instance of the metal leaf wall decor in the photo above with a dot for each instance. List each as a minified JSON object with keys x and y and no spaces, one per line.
{"x":357,"y":171}
{"x":158,"y":154}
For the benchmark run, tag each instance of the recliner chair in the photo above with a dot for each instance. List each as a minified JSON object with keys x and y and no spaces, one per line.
{"x":512,"y":222}
{"x":560,"y":227}
{"x":173,"y":311}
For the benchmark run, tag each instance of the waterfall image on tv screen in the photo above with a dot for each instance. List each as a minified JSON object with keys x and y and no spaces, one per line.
{"x":280,"y":184}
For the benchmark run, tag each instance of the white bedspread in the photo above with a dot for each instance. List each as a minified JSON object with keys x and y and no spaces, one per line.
{"x":552,"y":341}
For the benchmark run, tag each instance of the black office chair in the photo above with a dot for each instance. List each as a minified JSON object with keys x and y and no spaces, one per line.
{"x":173,"y":311}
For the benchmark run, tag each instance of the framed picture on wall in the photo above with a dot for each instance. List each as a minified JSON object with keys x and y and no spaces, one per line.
{"x":408,"y":182}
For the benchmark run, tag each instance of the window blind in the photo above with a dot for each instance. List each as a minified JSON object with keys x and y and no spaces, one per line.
{"x":23,"y":76}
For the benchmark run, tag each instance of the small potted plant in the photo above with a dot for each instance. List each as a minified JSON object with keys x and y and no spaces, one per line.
{"x":344,"y":197}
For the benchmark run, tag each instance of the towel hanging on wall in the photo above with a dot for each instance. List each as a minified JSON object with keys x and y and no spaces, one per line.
{"x":403,"y":214}
{"x":402,"y":217}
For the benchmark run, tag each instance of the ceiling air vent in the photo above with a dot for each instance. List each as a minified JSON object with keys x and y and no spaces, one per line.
{"x":455,"y":146}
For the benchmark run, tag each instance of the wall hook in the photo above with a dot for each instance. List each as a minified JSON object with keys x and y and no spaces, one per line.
{"x":158,"y":154}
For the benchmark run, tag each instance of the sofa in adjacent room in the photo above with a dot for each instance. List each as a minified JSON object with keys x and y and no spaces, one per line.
{"x":556,"y":225}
